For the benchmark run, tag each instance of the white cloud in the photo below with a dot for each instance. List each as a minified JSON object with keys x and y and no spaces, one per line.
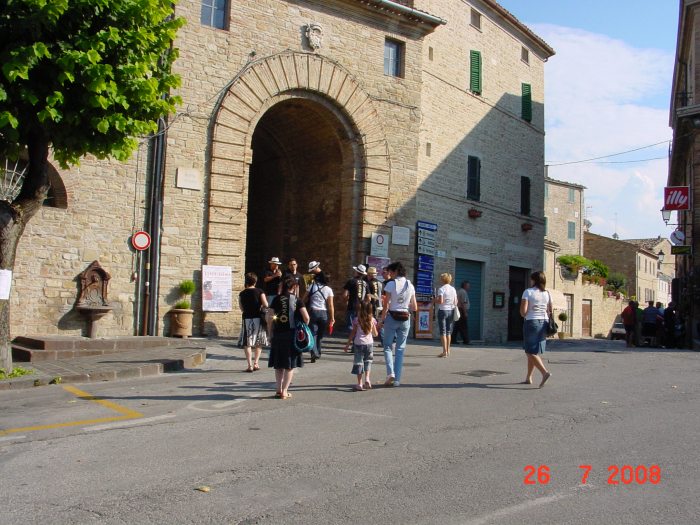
{"x":603,"y":96}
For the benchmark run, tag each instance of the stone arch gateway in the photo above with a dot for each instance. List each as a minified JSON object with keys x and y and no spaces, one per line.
{"x":292,"y":109}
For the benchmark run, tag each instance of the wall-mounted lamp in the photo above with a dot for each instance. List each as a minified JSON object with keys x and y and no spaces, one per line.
{"x":661,"y":256}
{"x":666,"y":216}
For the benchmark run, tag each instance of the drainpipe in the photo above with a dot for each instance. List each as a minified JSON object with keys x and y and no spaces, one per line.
{"x":155,"y":222}
{"x":425,"y":17}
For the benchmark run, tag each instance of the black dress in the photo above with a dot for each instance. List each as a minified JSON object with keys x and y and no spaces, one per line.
{"x":282,"y":353}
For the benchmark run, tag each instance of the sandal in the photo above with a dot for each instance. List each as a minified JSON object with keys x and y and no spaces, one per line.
{"x":368,"y":385}
{"x":286,"y":396}
{"x":442,"y":355}
{"x":544,"y":378}
{"x":248,"y":369}
{"x":278,"y":395}
{"x":256,"y":367}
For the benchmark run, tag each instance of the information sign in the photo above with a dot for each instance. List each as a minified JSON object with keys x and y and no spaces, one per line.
{"x":216,"y":288}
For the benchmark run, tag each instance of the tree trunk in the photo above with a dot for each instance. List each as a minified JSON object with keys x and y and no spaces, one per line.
{"x":14,"y":218}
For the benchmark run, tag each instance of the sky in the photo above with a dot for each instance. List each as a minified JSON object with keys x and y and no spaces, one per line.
{"x":608,"y":91}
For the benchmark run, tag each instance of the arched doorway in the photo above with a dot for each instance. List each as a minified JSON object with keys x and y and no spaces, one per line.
{"x":304,"y":187}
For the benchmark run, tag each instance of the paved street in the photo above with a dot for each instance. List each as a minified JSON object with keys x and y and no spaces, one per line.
{"x":452,"y":445}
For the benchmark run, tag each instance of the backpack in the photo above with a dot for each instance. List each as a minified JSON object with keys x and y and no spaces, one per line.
{"x":303,"y":338}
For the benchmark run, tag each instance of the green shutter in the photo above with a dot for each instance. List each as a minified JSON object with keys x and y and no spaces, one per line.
{"x":527,"y":102}
{"x":475,"y":72}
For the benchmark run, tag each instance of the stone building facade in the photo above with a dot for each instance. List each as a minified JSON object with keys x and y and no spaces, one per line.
{"x":307,"y":126}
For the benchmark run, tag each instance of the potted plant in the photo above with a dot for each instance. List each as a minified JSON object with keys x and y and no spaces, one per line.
{"x":181,"y":314}
{"x":563,"y":317}
{"x":474,"y":213}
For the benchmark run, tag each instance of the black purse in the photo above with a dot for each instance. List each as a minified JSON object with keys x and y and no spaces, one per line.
{"x":552,"y":326}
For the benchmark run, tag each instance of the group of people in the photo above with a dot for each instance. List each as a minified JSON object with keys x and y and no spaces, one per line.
{"x":655,"y":325}
{"x":375,"y":309}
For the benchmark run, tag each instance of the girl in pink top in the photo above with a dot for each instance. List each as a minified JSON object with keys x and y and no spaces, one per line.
{"x":364,"y":330}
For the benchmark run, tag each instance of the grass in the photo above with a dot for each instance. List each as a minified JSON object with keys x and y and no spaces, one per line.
{"x":17,"y":371}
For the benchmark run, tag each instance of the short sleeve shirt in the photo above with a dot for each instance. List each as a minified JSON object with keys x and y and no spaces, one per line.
{"x":449,"y":297}
{"x":537,"y":302}
{"x":272,"y":286}
{"x":362,"y":338}
{"x":400,"y":291}
{"x":356,"y":292}
{"x":318,"y":295}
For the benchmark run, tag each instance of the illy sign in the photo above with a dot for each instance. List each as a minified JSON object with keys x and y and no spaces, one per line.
{"x":677,"y":198}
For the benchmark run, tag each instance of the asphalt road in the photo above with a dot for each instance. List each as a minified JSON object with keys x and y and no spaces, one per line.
{"x":460,"y":442}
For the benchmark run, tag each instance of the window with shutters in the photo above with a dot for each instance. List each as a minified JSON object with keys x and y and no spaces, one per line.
{"x":474,"y":178}
{"x":572,"y":230}
{"x":526,"y":112}
{"x":393,"y":58}
{"x":525,"y":195}
{"x":572,"y":195}
{"x":475,"y":72}
{"x":213,"y":13}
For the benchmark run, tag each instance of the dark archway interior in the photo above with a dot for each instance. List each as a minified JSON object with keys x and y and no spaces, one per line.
{"x":301,"y":189}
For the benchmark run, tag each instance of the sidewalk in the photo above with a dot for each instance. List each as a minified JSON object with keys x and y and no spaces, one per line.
{"x":112,"y":365}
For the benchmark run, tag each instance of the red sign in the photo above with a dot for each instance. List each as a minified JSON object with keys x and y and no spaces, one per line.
{"x":141,"y":240}
{"x":677,"y":198}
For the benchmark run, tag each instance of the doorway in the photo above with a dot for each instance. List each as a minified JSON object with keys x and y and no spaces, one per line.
{"x":518,"y":281}
{"x":302,"y":191}
{"x":587,"y":318}
{"x":471,"y":271}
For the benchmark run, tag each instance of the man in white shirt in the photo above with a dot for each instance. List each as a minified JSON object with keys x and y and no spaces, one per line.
{"x":462,"y":327}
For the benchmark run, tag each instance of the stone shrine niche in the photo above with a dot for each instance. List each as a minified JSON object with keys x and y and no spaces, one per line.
{"x":94,"y":282}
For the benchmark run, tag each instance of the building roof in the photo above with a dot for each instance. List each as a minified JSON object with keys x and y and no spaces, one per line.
{"x":564,"y":183}
{"x":647,"y":244}
{"x":403,"y":8}
{"x":549,"y":51}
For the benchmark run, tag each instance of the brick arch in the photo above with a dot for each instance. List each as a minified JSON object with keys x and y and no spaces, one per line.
{"x":259,"y":86}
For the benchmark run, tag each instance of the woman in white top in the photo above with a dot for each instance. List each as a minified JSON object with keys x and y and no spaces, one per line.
{"x":319,"y":301}
{"x":536,"y":307}
{"x":399,"y":300}
{"x":446,"y":300}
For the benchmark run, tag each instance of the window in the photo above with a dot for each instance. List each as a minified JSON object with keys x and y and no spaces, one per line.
{"x":525,"y":195}
{"x":524,"y":55}
{"x":393,"y":58}
{"x":572,"y":195}
{"x":526,"y":102}
{"x":546,"y":226}
{"x":473,"y":178}
{"x":214,"y":13}
{"x":572,"y":230}
{"x":476,"y":19}
{"x":428,"y":148}
{"x":430,"y":54}
{"x":546,"y":191}
{"x":475,"y":72}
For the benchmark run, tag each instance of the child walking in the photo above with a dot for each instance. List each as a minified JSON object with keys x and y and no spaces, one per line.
{"x":364,"y":330}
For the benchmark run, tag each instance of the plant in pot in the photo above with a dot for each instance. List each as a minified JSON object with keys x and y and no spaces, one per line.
{"x":563,"y":317}
{"x":182,"y":313}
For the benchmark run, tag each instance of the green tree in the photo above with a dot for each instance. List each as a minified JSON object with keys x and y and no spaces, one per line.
{"x":78,"y":77}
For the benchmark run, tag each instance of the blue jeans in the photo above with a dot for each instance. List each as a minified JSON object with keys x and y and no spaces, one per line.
{"x":398,"y":329}
{"x":318,"y":321}
{"x":445,"y":319}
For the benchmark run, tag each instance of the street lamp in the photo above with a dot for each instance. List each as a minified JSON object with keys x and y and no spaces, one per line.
{"x":661,"y":256}
{"x":666,"y":215}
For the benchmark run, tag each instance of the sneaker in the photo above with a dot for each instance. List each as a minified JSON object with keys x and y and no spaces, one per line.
{"x":389,"y":381}
{"x":396,"y":383}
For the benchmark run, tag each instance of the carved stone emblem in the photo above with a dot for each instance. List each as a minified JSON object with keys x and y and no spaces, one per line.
{"x":314,"y":34}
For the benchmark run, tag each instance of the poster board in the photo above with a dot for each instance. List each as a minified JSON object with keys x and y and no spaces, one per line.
{"x":424,"y":321}
{"x":217,"y":288}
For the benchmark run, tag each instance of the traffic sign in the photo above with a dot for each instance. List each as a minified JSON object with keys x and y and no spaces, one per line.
{"x":141,"y":240}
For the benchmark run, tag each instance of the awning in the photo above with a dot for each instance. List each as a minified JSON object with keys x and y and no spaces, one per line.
{"x":558,"y":300}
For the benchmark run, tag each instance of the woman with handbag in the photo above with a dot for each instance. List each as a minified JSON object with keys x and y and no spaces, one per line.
{"x":399,"y":300}
{"x":536,"y":308}
{"x":446,"y":299}
{"x":252,"y":302}
{"x":284,"y":358}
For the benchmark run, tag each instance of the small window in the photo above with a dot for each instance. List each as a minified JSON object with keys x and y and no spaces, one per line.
{"x":572,"y":230}
{"x":525,"y":195}
{"x":474,"y":178}
{"x":393,"y":58}
{"x":475,"y":72}
{"x":476,"y":19}
{"x":428,"y":148}
{"x":572,"y":195}
{"x":526,"y":102}
{"x":546,"y":226}
{"x":524,"y":55}
{"x":430,"y":54}
{"x":214,"y":13}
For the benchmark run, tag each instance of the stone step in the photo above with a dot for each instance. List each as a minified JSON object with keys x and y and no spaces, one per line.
{"x":24,"y":354}
{"x":59,"y":342}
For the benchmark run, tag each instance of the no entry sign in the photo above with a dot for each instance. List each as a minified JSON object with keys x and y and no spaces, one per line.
{"x":141,"y":240}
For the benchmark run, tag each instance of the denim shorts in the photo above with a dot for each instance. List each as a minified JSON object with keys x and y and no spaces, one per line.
{"x":445,"y":321}
{"x":362,"y":361}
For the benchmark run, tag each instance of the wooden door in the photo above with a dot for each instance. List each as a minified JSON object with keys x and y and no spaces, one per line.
{"x":587,"y":318}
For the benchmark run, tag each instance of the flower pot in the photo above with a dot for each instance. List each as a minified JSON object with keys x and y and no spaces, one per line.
{"x":562,"y":335}
{"x":181,"y":322}
{"x":474,"y":213}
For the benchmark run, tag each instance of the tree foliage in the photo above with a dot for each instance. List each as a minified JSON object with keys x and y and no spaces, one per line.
{"x":590,"y":267}
{"x":617,"y":281}
{"x":87,"y":75}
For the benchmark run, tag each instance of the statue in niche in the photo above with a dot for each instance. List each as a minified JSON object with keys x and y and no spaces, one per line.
{"x":314,"y":34}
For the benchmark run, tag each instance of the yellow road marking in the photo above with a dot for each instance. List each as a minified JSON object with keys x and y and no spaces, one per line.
{"x":127,"y":413}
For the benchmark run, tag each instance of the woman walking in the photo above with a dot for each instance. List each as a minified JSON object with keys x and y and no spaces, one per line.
{"x":446,"y":300}
{"x":364,"y":330}
{"x":399,"y":300}
{"x":287,"y":309}
{"x":252,"y":302}
{"x":321,"y":311}
{"x":536,"y":308}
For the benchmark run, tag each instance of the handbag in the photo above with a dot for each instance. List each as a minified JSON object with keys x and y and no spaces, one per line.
{"x":552,"y":326}
{"x":456,"y":315}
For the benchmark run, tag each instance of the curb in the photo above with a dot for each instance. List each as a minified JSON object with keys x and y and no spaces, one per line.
{"x":163,"y":365}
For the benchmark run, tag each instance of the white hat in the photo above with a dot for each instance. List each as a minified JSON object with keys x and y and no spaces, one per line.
{"x":361,"y":269}
{"x":313,"y":265}
{"x":274,"y":260}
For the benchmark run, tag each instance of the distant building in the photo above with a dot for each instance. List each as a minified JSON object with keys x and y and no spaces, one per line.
{"x":666,"y":266}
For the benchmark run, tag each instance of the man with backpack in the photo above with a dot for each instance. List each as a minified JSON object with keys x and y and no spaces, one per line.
{"x":354,"y":292}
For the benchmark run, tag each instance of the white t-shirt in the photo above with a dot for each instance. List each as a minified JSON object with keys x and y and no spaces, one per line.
{"x":537,"y":302}
{"x":318,"y":294}
{"x":400,"y":291}
{"x":449,"y":297}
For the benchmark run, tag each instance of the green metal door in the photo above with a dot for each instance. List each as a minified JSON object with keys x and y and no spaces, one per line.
{"x":471,"y":271}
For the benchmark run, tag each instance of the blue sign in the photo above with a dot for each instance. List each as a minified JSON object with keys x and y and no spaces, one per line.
{"x":427,"y":225}
{"x":427,"y":290}
{"x":426,"y":259}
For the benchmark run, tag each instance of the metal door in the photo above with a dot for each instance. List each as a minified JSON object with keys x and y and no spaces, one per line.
{"x":471,"y":271}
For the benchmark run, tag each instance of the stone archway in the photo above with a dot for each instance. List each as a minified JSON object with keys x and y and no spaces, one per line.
{"x":296,"y":85}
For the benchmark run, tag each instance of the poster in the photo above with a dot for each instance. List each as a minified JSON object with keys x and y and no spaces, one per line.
{"x":424,"y":321}
{"x":378,"y":263}
{"x":216,"y":288}
{"x":5,"y":284}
